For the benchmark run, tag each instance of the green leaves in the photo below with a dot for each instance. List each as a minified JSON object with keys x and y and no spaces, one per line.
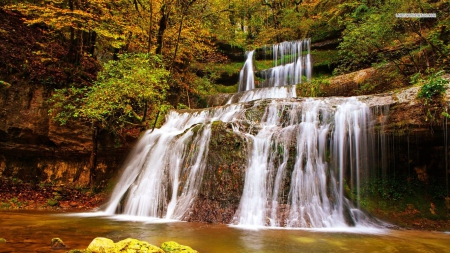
{"x":434,"y":86}
{"x":125,"y":91}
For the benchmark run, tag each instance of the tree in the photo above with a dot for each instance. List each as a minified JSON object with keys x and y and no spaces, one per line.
{"x":84,"y":23}
{"x":127,"y":94}
{"x":373,"y":33}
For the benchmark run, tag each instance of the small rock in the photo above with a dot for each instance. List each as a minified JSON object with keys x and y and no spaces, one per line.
{"x":2,"y":240}
{"x":73,"y":204}
{"x":57,"y":244}
{"x":52,"y":202}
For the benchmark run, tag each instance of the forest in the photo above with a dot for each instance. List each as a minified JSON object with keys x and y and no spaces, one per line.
{"x":153,"y":55}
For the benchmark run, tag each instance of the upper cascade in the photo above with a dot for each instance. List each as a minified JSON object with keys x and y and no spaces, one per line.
{"x":291,"y":64}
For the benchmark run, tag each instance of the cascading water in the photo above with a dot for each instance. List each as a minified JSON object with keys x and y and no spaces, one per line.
{"x":247,"y":76}
{"x":305,"y":157}
{"x":163,"y":173}
{"x":300,"y":156}
{"x":315,"y":197}
{"x":291,"y":61}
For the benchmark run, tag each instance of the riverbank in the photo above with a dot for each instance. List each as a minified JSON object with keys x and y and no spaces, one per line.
{"x":22,"y":196}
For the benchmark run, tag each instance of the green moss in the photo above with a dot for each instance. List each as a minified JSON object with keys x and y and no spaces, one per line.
{"x":313,"y":88}
{"x":174,"y":247}
{"x":405,"y":196}
{"x":263,"y":64}
{"x":57,"y":243}
{"x":226,"y":89}
{"x":52,"y":202}
{"x":130,"y":245}
{"x":324,"y":58}
{"x":101,"y":244}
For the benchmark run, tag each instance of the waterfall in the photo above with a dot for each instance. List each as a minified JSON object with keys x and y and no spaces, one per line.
{"x":263,"y":93}
{"x":306,"y":158}
{"x":316,"y":196}
{"x":291,"y":61}
{"x":247,"y":76}
{"x":160,"y":160}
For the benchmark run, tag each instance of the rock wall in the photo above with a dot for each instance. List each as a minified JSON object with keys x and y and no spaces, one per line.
{"x":223,"y":180}
{"x":35,"y":149}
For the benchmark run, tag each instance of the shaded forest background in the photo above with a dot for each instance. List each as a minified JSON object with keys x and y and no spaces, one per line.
{"x":149,"y":56}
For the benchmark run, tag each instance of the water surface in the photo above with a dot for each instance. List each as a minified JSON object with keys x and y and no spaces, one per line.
{"x":32,"y":231}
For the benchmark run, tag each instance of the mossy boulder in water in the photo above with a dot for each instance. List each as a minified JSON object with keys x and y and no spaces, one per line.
{"x":102,"y":245}
{"x":174,"y":247}
{"x":57,"y":243}
{"x":130,"y":245}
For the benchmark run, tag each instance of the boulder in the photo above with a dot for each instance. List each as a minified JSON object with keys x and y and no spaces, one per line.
{"x":131,"y":245}
{"x":102,"y":245}
{"x":174,"y":247}
{"x":57,"y":244}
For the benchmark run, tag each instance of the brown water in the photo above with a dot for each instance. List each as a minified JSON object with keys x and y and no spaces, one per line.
{"x":32,"y":231}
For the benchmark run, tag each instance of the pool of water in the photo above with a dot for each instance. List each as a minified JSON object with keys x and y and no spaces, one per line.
{"x":32,"y":231}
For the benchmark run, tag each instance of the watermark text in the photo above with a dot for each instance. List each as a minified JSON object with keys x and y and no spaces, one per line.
{"x":415,"y":15}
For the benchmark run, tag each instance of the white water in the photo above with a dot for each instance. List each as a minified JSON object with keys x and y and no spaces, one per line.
{"x":263,"y":93}
{"x":247,"y":75}
{"x":301,"y":153}
{"x":290,"y":65}
{"x":160,"y":158}
{"x":311,"y":126}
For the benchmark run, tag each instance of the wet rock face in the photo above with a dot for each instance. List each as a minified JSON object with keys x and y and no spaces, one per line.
{"x":223,"y":180}
{"x":35,"y":149}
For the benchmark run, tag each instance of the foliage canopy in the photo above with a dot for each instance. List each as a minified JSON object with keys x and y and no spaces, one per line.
{"x":121,"y":96}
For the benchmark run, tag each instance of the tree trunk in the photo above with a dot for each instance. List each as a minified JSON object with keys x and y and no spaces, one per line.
{"x":150,"y":30}
{"x":93,"y":37}
{"x":162,"y":28}
{"x":93,"y":159}
{"x":178,"y":42}
{"x":71,"y":52}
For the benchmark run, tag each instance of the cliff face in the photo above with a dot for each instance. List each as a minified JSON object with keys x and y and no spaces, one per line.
{"x":407,"y":177}
{"x":36,"y":149}
{"x":33,"y":148}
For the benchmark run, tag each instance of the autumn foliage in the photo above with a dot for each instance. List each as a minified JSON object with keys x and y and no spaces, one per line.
{"x":35,"y":55}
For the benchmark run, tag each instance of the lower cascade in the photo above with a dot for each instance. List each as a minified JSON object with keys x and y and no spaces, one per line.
{"x":304,"y":158}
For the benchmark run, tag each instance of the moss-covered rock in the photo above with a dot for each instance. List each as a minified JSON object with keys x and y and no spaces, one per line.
{"x":102,"y":245}
{"x":174,"y":247}
{"x":57,"y":243}
{"x":2,"y":240}
{"x":79,"y":251}
{"x":223,"y":180}
{"x":131,"y":245}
